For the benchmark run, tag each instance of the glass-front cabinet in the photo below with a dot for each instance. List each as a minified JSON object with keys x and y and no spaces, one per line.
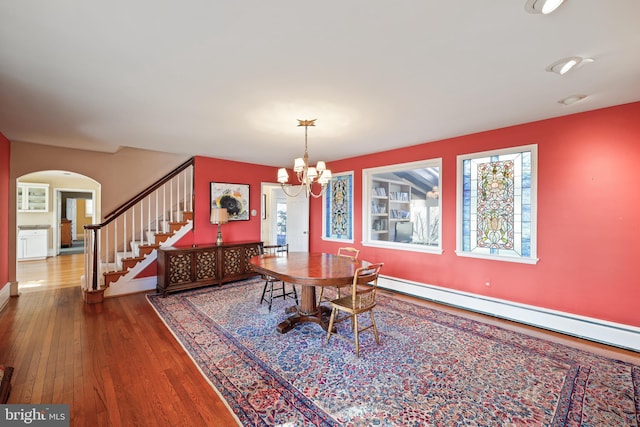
{"x":32,"y":197}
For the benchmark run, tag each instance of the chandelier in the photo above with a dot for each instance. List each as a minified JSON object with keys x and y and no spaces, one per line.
{"x":307,"y":175}
{"x":434,"y":193}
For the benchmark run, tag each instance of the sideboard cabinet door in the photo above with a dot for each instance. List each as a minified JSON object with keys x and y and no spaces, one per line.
{"x":235,"y":260}
{"x":232,"y":261}
{"x":206,"y":265}
{"x":179,"y":268}
{"x":249,"y":252}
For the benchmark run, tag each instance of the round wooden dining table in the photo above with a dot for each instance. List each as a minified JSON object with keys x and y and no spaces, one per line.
{"x":308,"y":269}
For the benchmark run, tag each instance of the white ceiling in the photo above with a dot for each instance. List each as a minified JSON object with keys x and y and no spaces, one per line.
{"x":229,"y":79}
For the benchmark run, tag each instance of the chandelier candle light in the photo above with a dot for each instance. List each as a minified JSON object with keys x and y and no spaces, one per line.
{"x":434,"y":193}
{"x":307,"y":175}
{"x":219,"y":216}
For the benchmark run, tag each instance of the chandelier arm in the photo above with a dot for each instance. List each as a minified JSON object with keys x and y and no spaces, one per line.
{"x":303,"y":186}
{"x":296,"y":194}
{"x":317,"y":196}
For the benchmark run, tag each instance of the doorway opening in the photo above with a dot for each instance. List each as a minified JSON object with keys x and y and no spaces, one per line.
{"x":284,"y":219}
{"x":53,"y":207}
{"x":75,"y":209}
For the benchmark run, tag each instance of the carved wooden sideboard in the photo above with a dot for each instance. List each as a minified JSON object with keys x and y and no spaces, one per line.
{"x":186,"y":267}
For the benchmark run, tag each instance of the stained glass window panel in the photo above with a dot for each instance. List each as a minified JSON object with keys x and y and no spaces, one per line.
{"x":338,"y":208}
{"x":497,"y":210}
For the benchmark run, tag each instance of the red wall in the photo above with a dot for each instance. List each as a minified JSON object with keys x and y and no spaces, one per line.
{"x":588,"y":214}
{"x":4,"y":209}
{"x":209,"y":170}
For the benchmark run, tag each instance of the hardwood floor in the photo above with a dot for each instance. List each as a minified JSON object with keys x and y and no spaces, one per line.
{"x":116,"y":364}
{"x":51,"y":273}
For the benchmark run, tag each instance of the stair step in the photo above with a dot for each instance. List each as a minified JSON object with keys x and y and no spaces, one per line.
{"x":187,"y":216}
{"x":162,"y":237}
{"x":147,"y":249}
{"x":175,"y":226}
{"x":128,"y":263}
{"x":112,"y":276}
{"x":134,"y":247}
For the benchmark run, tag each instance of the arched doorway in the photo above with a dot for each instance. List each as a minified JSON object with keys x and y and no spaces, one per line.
{"x":52,"y":208}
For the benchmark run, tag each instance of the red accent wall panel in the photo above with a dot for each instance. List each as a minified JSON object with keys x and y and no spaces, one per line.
{"x":209,"y":170}
{"x":5,"y":148}
{"x":588,"y":213}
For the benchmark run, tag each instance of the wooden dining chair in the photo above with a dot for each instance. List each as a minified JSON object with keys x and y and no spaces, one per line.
{"x":348,"y":252}
{"x":271,"y":284}
{"x":361,"y":300}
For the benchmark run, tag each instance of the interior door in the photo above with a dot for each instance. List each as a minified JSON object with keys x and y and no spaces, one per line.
{"x":71,"y":214}
{"x":298,"y":223}
{"x":296,"y":219}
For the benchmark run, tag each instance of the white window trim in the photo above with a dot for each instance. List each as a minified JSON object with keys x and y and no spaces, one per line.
{"x":532,"y":259}
{"x":324,"y":212}
{"x":366,"y":203}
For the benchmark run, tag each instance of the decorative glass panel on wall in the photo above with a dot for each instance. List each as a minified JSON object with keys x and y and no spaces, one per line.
{"x":337,"y":208}
{"x":401,"y":206}
{"x":497,"y":204}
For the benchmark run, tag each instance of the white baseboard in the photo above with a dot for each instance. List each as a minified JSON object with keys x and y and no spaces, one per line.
{"x":615,"y":334}
{"x":5,"y":294}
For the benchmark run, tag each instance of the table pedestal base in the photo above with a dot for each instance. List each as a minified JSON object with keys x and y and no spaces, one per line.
{"x":321,"y":317}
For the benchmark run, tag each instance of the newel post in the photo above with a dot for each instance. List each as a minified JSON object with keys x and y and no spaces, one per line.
{"x":92,"y":294}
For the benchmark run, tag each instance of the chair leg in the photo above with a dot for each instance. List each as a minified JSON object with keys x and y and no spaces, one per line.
{"x":330,"y":328}
{"x":264,"y":290}
{"x":320,"y":297}
{"x":355,"y":334}
{"x":270,"y":296}
{"x":375,"y":328}
{"x":295,"y":294}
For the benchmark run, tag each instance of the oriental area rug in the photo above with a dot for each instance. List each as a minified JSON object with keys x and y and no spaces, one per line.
{"x":432,"y":368}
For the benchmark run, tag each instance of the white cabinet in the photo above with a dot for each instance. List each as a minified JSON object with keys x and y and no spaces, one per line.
{"x":32,"y":197}
{"x":390,"y":204}
{"x":32,"y":244}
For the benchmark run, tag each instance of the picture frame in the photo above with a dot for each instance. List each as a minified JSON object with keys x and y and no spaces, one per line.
{"x":337,"y":208}
{"x":233,"y":197}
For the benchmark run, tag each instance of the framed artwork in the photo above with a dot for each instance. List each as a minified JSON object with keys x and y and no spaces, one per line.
{"x":497,"y":204}
{"x":337,"y":208}
{"x":233,"y":197}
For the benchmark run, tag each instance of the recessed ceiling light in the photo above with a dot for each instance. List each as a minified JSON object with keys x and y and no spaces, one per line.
{"x":564,"y":65}
{"x":572,"y":99}
{"x":542,"y":6}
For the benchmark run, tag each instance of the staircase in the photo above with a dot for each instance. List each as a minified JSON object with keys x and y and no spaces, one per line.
{"x":146,"y":250}
{"x":125,"y":244}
